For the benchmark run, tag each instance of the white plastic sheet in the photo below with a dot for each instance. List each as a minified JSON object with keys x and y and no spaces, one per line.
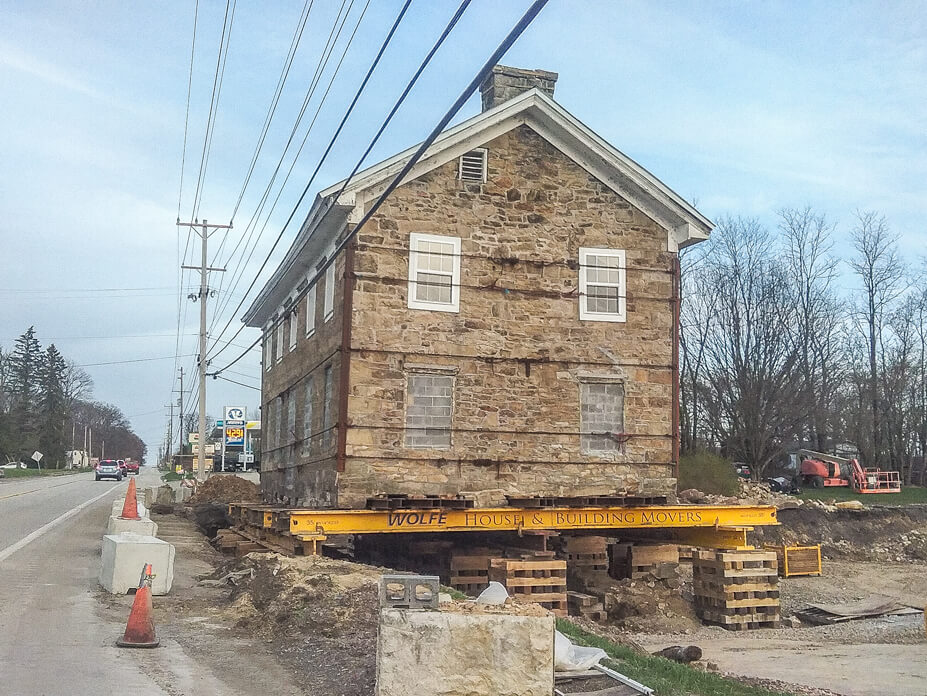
{"x":574,"y":658}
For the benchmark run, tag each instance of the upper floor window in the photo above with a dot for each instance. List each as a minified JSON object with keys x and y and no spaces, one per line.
{"x":472,"y":165}
{"x":310,"y":310}
{"x":278,"y":348}
{"x":268,"y":346}
{"x":602,"y":284}
{"x":434,"y":272}
{"x":293,"y":317}
{"x":329,"y":305}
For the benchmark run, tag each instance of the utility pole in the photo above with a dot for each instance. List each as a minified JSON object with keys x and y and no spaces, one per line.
{"x":180,"y":422}
{"x":204,"y":270}
{"x":170,"y":434}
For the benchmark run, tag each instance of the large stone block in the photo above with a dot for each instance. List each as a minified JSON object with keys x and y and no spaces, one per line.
{"x":119,"y":525}
{"x":448,"y":653}
{"x":124,"y":557}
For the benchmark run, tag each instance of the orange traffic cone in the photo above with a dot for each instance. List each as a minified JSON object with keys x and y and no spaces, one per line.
{"x":130,"y":507}
{"x":140,"y":630}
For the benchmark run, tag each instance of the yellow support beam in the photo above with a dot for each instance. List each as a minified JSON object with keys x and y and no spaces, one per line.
{"x":706,"y":517}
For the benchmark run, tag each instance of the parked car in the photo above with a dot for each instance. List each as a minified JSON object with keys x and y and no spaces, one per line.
{"x":122,"y":467}
{"x":131,"y":466}
{"x":743,"y":470}
{"x":108,"y":468}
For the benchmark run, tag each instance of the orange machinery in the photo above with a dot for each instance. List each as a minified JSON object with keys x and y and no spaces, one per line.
{"x":820,"y":470}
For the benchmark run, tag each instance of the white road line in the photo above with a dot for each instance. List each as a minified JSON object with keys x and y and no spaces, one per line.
{"x":28,"y":539}
{"x":34,"y":490}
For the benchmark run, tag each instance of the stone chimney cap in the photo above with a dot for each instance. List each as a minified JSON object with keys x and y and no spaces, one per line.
{"x":504,"y":83}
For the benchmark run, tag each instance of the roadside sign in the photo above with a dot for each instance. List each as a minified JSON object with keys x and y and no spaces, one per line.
{"x":234,"y":436}
{"x":245,"y":458}
{"x":234,"y":413}
{"x":193,"y":438}
{"x":37,"y":456}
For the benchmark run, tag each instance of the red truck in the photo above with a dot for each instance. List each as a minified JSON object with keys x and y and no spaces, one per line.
{"x":131,"y":466}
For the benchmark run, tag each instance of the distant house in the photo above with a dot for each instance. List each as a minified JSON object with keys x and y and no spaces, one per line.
{"x":505,"y":325}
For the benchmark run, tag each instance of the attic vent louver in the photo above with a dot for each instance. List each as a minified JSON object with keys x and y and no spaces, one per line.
{"x":473,"y":165}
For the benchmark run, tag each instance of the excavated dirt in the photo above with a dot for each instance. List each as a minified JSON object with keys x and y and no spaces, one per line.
{"x":873,"y":533}
{"x":226,"y":488}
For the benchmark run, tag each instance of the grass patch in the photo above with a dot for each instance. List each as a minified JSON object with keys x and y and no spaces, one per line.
{"x":909,"y":495}
{"x":666,"y":677}
{"x":708,"y":473}
{"x":32,"y":473}
{"x":174,"y":476}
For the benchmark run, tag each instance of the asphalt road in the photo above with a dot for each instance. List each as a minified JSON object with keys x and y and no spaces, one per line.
{"x":58,"y":628}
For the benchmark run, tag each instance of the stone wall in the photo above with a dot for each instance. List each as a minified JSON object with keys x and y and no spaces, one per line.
{"x":301,"y":470}
{"x":517,"y":347}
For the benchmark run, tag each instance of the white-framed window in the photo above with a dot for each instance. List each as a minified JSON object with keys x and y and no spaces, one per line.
{"x":310,"y":310}
{"x":278,"y":348}
{"x":434,"y":272}
{"x":601,"y":415}
{"x":293,"y":320}
{"x":267,"y":355}
{"x":602,"y":284}
{"x":472,"y":165}
{"x":329,"y":305}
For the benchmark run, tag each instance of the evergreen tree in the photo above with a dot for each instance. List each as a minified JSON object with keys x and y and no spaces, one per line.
{"x":25,"y":387}
{"x":53,"y":408}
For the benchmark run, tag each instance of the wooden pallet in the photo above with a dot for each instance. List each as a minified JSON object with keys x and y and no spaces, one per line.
{"x":586,"y":554}
{"x":585,"y":501}
{"x":401,"y":501}
{"x":797,"y":560}
{"x":541,"y":582}
{"x":736,"y":589}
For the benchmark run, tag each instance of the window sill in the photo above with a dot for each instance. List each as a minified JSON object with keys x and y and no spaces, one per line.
{"x":615,"y":318}
{"x":328,"y":316}
{"x":450,"y":308}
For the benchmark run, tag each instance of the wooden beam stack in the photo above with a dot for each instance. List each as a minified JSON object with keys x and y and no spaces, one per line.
{"x":737,"y":590}
{"x":540,"y":581}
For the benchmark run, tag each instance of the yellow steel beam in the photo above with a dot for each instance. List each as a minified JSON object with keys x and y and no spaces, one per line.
{"x":327,"y":522}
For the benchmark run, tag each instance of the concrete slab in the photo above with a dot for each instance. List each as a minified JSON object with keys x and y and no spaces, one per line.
{"x":119,"y":503}
{"x":124,"y":557}
{"x":420,"y":652}
{"x":118,"y":525}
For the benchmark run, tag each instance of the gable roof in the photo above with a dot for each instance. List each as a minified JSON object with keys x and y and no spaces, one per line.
{"x":684,"y":225}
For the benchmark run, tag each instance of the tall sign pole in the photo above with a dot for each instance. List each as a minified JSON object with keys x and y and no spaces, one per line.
{"x":201,"y":297}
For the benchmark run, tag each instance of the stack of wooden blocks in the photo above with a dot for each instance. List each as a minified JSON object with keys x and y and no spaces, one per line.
{"x":541,"y":581}
{"x":797,"y":560}
{"x":738,"y":590}
{"x":469,"y":571}
{"x":586,"y":605}
{"x":641,"y":561}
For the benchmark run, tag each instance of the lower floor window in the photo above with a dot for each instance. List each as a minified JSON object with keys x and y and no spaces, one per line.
{"x":601,"y":409}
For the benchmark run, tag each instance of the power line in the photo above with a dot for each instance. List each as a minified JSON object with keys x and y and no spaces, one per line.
{"x":186,"y":118}
{"x":320,"y":69}
{"x":240,"y":384}
{"x":125,"y":362}
{"x":272,"y":108}
{"x":510,"y":39}
{"x":331,"y":143}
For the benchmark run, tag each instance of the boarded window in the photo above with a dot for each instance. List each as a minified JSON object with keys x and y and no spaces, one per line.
{"x":290,"y":418}
{"x":602,"y":284}
{"x":601,"y":416}
{"x":328,"y":408}
{"x":429,"y":410}
{"x":434,"y":272}
{"x":278,"y":422}
{"x":307,"y":417}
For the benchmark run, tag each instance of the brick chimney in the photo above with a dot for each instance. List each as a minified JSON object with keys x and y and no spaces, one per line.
{"x":504,"y":82}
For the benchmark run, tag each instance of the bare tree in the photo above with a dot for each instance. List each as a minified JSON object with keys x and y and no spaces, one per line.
{"x":751,"y":349}
{"x":881,"y":273}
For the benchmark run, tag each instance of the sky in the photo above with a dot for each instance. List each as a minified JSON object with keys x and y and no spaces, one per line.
{"x":741,"y":107}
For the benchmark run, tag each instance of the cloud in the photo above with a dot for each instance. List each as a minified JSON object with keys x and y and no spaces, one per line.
{"x":12,"y":57}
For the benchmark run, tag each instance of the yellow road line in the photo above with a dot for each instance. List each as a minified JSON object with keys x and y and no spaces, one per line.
{"x":34,"y":490}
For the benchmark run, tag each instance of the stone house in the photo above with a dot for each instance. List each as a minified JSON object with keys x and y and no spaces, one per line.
{"x":506,"y":324}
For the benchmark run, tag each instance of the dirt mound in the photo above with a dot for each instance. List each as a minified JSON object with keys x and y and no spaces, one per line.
{"x":323,"y":611}
{"x":874,"y":533}
{"x":226,"y":488}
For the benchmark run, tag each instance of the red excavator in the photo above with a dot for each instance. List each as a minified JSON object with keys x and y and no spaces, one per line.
{"x":819,"y":470}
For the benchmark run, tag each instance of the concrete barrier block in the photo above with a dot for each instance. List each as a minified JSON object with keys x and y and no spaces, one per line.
{"x":118,"y":525}
{"x":419,"y":652}
{"x":124,"y":557}
{"x":118,"y":504}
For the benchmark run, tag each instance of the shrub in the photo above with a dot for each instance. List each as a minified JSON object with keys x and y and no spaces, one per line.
{"x":708,"y":473}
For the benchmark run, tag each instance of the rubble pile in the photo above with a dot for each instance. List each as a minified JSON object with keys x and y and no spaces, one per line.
{"x":226,"y":488}
{"x":654,"y":604}
{"x":751,"y":493}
